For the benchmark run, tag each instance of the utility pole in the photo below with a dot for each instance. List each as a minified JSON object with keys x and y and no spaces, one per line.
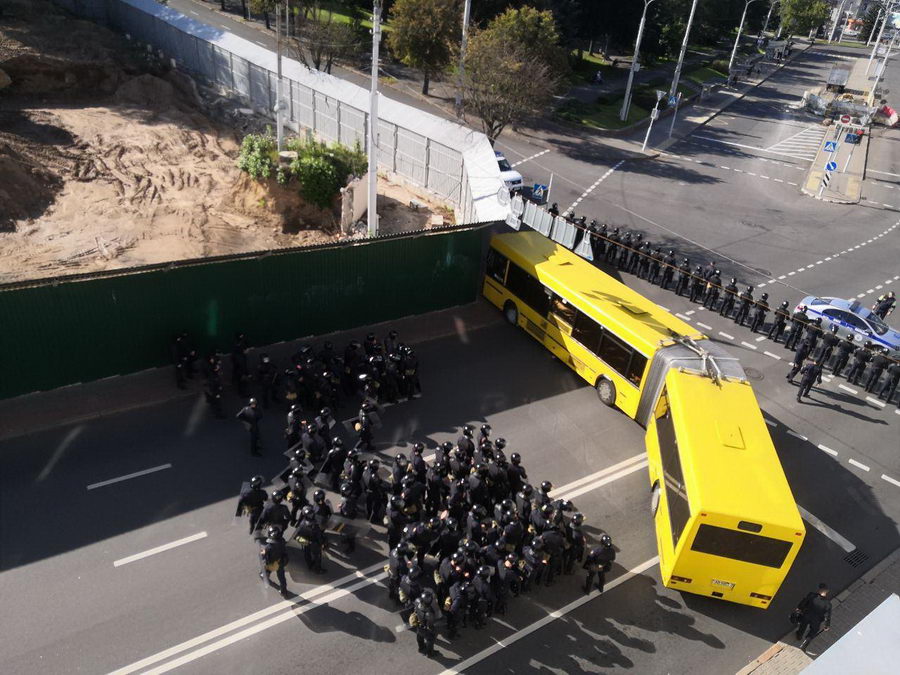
{"x":887,"y":13}
{"x":834,"y":23}
{"x":279,"y":104}
{"x":769,"y":15}
{"x":737,"y":39}
{"x":467,"y":9}
{"x":373,"y":124}
{"x":872,"y":32}
{"x":684,"y":45}
{"x":626,"y":102}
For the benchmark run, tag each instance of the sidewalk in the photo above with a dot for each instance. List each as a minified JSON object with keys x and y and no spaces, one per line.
{"x":45,"y":410}
{"x":848,"y":609}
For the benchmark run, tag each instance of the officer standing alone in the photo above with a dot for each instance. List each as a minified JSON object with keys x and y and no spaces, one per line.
{"x":250,"y":415}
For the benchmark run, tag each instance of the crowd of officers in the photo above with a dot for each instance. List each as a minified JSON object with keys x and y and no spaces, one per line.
{"x":815,"y":348}
{"x":465,"y":529}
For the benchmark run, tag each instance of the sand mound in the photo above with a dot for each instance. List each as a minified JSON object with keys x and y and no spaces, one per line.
{"x":146,"y":91}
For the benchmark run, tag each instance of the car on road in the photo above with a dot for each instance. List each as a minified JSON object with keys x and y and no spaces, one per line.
{"x":852,"y":318}
{"x":511,"y":177}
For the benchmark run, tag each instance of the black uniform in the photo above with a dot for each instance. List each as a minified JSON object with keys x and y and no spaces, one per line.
{"x":251,"y":504}
{"x":250,"y":415}
{"x":813,"y":333}
{"x":777,"y":327}
{"x":829,"y":342}
{"x":744,"y":309}
{"x":815,"y":614}
{"x":214,"y":391}
{"x":845,"y":350}
{"x":267,"y":376}
{"x":697,"y":285}
{"x":728,"y":299}
{"x":862,"y":356}
{"x":668,"y":271}
{"x":798,"y":321}
{"x":713,"y":284}
{"x":599,"y":562}
{"x":275,"y":513}
{"x":311,"y":537}
{"x":612,"y":245}
{"x":759,"y":315}
{"x":879,"y":363}
{"x":424,"y":623}
{"x":799,"y":357}
{"x":684,"y":278}
{"x":809,"y":374}
{"x":273,"y":557}
{"x":890,"y":382}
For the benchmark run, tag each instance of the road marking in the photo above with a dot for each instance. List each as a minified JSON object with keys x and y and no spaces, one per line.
{"x":596,"y":183}
{"x":846,"y":388}
{"x":829,"y":532}
{"x":892,"y":481}
{"x":778,"y":180}
{"x":771,"y":423}
{"x":726,"y":335}
{"x":752,"y":147}
{"x":796,"y":435}
{"x":857,"y":464}
{"x":727,"y":168}
{"x":159,"y":549}
{"x":703,"y":325}
{"x":464,"y":665}
{"x":880,"y":404}
{"x":528,"y":159}
{"x":761,"y":338}
{"x":129,"y":476}
{"x":599,"y":474}
{"x":774,"y":356}
{"x":782,"y":276}
{"x":691,"y":311}
{"x":828,"y":258}
{"x":608,"y":479}
{"x":682,"y":316}
{"x":790,"y":274}
{"x":70,"y":437}
{"x":831,"y":452}
{"x":504,"y":623}
{"x":749,"y":345}
{"x":794,"y":184}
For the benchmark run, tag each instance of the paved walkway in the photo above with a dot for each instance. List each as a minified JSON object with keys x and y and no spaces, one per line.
{"x":848,"y":609}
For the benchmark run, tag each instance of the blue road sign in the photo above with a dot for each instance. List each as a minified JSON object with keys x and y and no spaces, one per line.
{"x":538,"y":191}
{"x":673,"y":100}
{"x":830,"y":146}
{"x":852,"y":139}
{"x":831,"y":166}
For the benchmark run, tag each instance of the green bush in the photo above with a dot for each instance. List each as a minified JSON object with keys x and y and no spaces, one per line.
{"x":319,"y":180}
{"x":258,"y":155}
{"x":720,"y":64}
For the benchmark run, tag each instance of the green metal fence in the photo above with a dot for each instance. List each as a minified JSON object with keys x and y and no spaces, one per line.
{"x":66,"y":331}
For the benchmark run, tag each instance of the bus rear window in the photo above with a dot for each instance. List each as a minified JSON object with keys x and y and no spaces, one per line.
{"x":743,"y":546}
{"x":496,"y":265}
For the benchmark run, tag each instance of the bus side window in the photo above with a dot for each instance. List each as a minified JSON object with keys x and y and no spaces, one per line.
{"x":529,"y":289}
{"x":615,"y":353}
{"x":496,"y":265}
{"x":588,"y":332}
{"x":636,"y":368}
{"x":563,"y":310}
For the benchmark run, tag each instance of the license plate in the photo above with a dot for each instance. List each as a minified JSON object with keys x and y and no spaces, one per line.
{"x":726,"y":584}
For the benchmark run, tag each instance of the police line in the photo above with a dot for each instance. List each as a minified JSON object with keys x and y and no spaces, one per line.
{"x":328,"y":593}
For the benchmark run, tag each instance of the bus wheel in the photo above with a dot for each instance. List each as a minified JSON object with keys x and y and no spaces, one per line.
{"x":511,"y":313}
{"x":606,"y":390}
{"x":654,"y":499}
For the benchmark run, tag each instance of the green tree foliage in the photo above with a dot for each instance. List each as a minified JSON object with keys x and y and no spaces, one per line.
{"x":319,"y":39}
{"x":424,"y":34}
{"x":258,"y":155}
{"x":802,"y":16}
{"x":534,"y":32}
{"x":319,"y":182}
{"x":870,"y":23}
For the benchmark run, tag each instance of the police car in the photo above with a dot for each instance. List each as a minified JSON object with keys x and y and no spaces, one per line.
{"x":852,"y":318}
{"x":511,"y":177}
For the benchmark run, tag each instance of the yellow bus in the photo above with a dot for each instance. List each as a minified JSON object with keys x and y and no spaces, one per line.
{"x":726,"y":522}
{"x":630,"y":349}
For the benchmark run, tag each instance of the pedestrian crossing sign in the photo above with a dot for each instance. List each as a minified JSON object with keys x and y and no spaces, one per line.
{"x":830,"y":146}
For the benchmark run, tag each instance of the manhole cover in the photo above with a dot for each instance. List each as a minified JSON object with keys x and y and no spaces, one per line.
{"x":855,"y":558}
{"x":753,"y":374}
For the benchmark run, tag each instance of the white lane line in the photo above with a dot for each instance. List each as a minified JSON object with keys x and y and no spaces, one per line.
{"x":771,"y":355}
{"x":727,"y":168}
{"x":665,"y":308}
{"x":883,"y":173}
{"x":819,"y":262}
{"x":682,"y":316}
{"x":880,"y":404}
{"x":796,"y":435}
{"x":608,"y":479}
{"x":829,"y":532}
{"x":771,"y":423}
{"x":752,"y":147}
{"x":790,"y":274}
{"x":528,"y":159}
{"x":846,"y":388}
{"x":563,"y":489}
{"x":726,"y":335}
{"x":703,"y":325}
{"x":464,"y":665}
{"x":778,"y":180}
{"x":828,"y":258}
{"x":858,"y":465}
{"x":831,"y":452}
{"x":782,"y":276}
{"x":596,"y":183}
{"x":691,"y":311}
{"x":761,"y":338}
{"x":794,"y":184}
{"x":892,"y":481}
{"x":749,"y":345}
{"x":129,"y":476}
{"x":861,"y":295}
{"x":159,"y":549}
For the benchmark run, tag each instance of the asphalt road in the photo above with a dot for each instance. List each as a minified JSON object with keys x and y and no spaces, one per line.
{"x":200,"y":607}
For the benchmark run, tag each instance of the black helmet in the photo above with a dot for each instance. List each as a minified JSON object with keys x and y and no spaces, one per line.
{"x":450,"y":523}
{"x":252,"y":401}
{"x":434,"y":523}
{"x":485,"y":429}
{"x":337,"y":442}
{"x":849,"y":338}
{"x":346,"y":489}
{"x":577,"y":518}
{"x":297,"y":472}
{"x":527,"y":490}
{"x":606,"y":540}
{"x":750,"y":289}
{"x":734,"y":281}
{"x":417,"y":448}
{"x":834,"y":328}
{"x":784,"y":304}
{"x":457,"y":558}
{"x":427,"y":596}
{"x":818,"y":321}
{"x":507,"y":505}
{"x":414,"y":571}
{"x":256,"y":481}
{"x":500,"y":443}
{"x":397,"y":502}
{"x":319,"y":496}
{"x":515,"y":458}
{"x":307,"y":512}
{"x":447,"y":446}
{"x":546,"y":486}
{"x":325,"y":412}
{"x":471,"y":547}
{"x":353,"y":454}
{"x":537,"y":544}
{"x":547,"y":510}
{"x":685,"y":262}
{"x":484,"y":572}
{"x":400,"y":459}
{"x":373,"y":464}
{"x":764,"y":296}
{"x":273,"y":532}
{"x":277,"y":496}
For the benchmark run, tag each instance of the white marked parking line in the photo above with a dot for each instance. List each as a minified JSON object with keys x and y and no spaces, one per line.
{"x":846,"y":388}
{"x":771,"y":355}
{"x":703,"y":325}
{"x":880,"y":404}
{"x":468,"y":663}
{"x":831,"y":452}
{"x":829,"y":532}
{"x":761,"y":338}
{"x":796,"y":435}
{"x":726,"y":335}
{"x":858,"y":465}
{"x":892,"y":481}
{"x":159,"y":549}
{"x":129,"y":476}
{"x":749,"y":345}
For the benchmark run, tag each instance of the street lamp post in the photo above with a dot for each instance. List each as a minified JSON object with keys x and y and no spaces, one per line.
{"x":737,"y":39}
{"x":887,"y":13}
{"x":684,"y":45}
{"x":769,"y":15}
{"x":464,"y":42}
{"x":626,"y":103}
{"x":372,"y":216}
{"x":877,"y":21}
{"x":837,"y":18}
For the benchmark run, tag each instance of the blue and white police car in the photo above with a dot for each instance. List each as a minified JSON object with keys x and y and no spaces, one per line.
{"x":852,"y":318}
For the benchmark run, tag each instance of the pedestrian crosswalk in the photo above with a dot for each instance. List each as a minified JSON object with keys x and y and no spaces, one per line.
{"x":802,"y":145}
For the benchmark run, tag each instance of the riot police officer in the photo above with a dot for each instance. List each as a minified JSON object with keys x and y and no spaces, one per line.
{"x":744,"y":309}
{"x":728,"y":298}
{"x":798,"y":321}
{"x":879,"y":362}
{"x":713,"y":284}
{"x":684,"y":278}
{"x":275,"y":513}
{"x":273,"y":557}
{"x":698,"y":284}
{"x":267,"y":376}
{"x":251,"y":501}
{"x":599,"y":561}
{"x":809,"y":374}
{"x":250,"y":415}
{"x":861,"y":357}
{"x":845,"y":350}
{"x":668,"y":269}
{"x":759,"y":313}
{"x":830,"y":340}
{"x":781,"y":317}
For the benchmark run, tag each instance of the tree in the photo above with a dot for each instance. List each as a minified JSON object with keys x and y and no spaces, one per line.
{"x":264,"y":7}
{"x":802,"y":16}
{"x":512,"y":68}
{"x":870,"y":23}
{"x":319,"y":39}
{"x":424,"y":34}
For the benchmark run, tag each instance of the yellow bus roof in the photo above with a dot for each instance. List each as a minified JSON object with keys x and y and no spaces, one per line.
{"x":626,"y":312}
{"x":731,"y":467}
